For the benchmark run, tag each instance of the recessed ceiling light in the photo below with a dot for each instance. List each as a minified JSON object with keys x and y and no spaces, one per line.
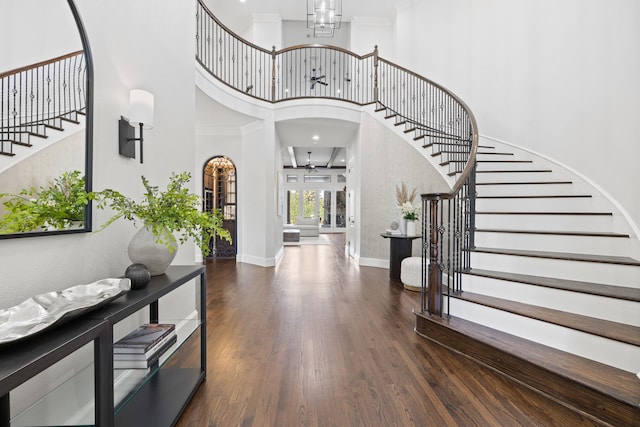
{"x":342,"y":160}
{"x":315,"y":137}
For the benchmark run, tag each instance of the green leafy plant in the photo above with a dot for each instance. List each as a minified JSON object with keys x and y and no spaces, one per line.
{"x":176,"y":210}
{"x":53,"y":207}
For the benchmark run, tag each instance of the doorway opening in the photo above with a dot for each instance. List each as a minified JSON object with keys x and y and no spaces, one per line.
{"x":219,"y":187}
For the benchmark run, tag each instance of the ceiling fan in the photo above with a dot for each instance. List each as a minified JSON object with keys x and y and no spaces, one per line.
{"x":317,"y":79}
{"x":309,"y":167}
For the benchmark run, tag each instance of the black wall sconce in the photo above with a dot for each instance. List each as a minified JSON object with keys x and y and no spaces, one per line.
{"x":141,"y":113}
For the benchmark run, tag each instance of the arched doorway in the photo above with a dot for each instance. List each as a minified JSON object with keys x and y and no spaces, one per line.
{"x":219,"y":184}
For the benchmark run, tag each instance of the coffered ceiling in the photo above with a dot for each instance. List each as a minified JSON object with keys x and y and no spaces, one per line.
{"x":325,"y":139}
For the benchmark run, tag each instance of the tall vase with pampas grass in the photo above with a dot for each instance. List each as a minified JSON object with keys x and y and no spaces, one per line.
{"x":408,"y":211}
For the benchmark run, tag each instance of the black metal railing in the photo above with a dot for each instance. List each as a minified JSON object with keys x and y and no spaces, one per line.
{"x":430,"y":114}
{"x":40,"y":96}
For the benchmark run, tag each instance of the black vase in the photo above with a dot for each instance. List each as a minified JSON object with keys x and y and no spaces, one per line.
{"x":139,"y":275}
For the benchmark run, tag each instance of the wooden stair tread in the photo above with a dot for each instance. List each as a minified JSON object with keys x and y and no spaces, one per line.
{"x":504,"y":161}
{"x":452,"y":144}
{"x":547,"y":213}
{"x":608,"y":393}
{"x":552,"y":196}
{"x":24,"y":144}
{"x":491,"y":153}
{"x":69,"y":120}
{"x":516,"y":171}
{"x":525,"y":183}
{"x":603,"y":328}
{"x":609,"y":291}
{"x":54,"y":127}
{"x":390,"y":116}
{"x":604,"y":259}
{"x":554,"y":233}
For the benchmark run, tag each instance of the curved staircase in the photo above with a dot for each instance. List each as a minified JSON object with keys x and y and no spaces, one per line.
{"x":552,"y":297}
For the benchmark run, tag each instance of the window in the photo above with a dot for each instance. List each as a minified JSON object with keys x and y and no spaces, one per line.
{"x":292,"y":178}
{"x":317,"y":178}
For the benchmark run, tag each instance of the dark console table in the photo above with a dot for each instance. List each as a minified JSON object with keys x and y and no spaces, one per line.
{"x":400,"y":249}
{"x":158,"y":395}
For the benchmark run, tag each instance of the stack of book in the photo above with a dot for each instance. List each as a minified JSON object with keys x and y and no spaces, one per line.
{"x":143,"y":347}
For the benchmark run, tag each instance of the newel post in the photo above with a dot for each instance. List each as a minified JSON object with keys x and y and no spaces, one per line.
{"x":375,"y":74}
{"x":273,"y":74}
{"x":434,"y":275}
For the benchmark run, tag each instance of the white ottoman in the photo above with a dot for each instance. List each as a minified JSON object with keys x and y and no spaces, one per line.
{"x":411,"y":273}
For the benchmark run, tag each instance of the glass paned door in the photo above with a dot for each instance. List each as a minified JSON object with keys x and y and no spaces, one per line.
{"x":309,"y":207}
{"x":341,"y":209}
{"x":219,"y":185}
{"x":325,"y":208}
{"x":293,"y":199}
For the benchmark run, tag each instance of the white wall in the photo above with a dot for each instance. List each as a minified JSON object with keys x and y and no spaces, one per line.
{"x":266,"y":30}
{"x":35,"y":30}
{"x":366,"y":33}
{"x":559,"y":78}
{"x":295,"y":33}
{"x":387,"y":161}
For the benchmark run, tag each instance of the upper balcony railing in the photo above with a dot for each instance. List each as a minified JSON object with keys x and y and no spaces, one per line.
{"x":437,"y":118}
{"x":40,"y":96}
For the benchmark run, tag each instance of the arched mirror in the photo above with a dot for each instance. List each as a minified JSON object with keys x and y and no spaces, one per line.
{"x":46,"y":109}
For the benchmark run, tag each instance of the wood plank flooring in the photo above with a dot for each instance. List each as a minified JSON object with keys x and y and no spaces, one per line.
{"x":320,"y":341}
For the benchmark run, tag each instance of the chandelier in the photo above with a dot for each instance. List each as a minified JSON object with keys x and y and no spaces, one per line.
{"x":309,"y":167}
{"x":324,"y":16}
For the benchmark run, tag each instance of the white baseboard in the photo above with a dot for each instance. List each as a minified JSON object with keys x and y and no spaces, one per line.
{"x":373,"y":262}
{"x":261,"y":262}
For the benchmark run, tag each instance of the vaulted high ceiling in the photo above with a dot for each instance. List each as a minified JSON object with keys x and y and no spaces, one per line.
{"x":237,"y":14}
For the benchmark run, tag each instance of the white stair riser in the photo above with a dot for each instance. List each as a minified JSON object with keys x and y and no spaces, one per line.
{"x":610,"y":274}
{"x":600,"y":223}
{"x":491,"y":165}
{"x":517,"y":177}
{"x":613,"y":353}
{"x":613,"y":246}
{"x":614,"y":310}
{"x":571,"y":204}
{"x":525,"y":190}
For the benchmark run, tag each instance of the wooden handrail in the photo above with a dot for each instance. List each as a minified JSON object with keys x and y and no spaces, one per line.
{"x":217,"y":21}
{"x":40,"y":64}
{"x":324,"y":46}
{"x":474,"y":126}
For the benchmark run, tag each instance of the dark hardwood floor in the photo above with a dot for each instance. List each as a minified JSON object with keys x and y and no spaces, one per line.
{"x":319,"y":341}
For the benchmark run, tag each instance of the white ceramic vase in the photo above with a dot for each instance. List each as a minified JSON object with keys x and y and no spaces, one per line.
{"x":144,"y":249}
{"x":402,"y":226}
{"x":411,"y":228}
